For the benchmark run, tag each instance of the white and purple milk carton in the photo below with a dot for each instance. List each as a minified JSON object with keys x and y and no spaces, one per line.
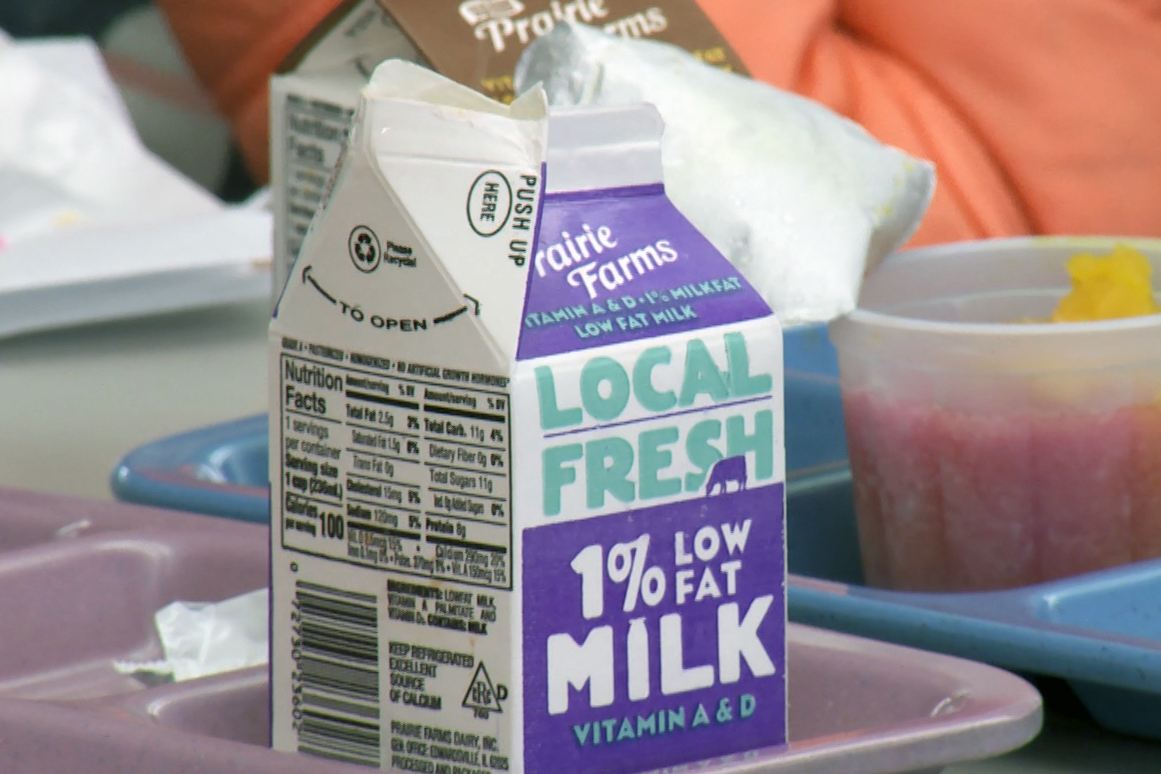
{"x":527,"y":455}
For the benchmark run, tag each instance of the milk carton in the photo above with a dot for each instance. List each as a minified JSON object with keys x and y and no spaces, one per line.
{"x":312,"y":101}
{"x":475,"y":42}
{"x":526,"y":454}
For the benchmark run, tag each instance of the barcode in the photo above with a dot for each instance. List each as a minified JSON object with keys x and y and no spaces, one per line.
{"x":336,"y":681}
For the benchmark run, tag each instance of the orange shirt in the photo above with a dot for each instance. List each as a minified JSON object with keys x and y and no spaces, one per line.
{"x":1042,"y":116}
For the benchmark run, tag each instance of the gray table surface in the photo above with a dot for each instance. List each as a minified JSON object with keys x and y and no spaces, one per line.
{"x":73,"y":402}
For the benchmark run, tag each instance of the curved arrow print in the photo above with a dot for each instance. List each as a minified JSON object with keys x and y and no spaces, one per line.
{"x":356,"y":313}
{"x":453,"y":315}
{"x":307,"y":278}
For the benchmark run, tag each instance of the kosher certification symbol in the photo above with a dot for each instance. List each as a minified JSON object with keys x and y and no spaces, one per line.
{"x":482,"y":696}
{"x":364,"y":248}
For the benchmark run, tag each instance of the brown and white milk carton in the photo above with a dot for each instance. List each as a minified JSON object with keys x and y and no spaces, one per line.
{"x":312,"y":102}
{"x":474,"y":42}
{"x":527,"y":456}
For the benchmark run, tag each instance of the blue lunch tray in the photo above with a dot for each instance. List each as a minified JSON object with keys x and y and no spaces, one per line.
{"x":1100,"y":631}
{"x":219,"y":470}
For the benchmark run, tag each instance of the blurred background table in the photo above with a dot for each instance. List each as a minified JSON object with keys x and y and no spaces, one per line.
{"x":73,"y":402}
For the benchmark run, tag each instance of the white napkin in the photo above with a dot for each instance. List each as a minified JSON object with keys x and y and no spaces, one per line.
{"x":93,"y":226}
{"x":800,"y":199}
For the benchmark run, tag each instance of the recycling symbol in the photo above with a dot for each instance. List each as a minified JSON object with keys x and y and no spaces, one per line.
{"x":482,"y":696}
{"x":363,"y":246}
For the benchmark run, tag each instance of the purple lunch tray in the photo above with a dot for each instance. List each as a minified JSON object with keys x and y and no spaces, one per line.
{"x":80,"y":581}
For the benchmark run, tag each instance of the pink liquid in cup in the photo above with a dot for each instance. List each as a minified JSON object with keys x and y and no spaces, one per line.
{"x":949,"y":500}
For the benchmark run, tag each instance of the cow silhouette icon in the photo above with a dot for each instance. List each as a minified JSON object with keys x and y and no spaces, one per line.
{"x":724,"y":472}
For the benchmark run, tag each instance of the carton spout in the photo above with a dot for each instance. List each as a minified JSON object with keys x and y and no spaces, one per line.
{"x":604,"y":147}
{"x":401,"y":79}
{"x":409,"y":111}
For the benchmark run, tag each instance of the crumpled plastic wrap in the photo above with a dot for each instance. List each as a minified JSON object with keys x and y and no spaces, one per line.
{"x":801,"y":200}
{"x":200,"y":639}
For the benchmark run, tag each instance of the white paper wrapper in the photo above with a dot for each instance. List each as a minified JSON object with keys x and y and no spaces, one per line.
{"x":69,"y":153}
{"x":801,"y":200}
{"x":200,"y":639}
{"x":93,"y":226}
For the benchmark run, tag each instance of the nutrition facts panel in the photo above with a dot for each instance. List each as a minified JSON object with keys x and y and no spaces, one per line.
{"x":386,"y":470}
{"x":315,"y":133}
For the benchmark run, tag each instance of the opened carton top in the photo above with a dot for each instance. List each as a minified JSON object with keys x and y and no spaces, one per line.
{"x":441,"y":228}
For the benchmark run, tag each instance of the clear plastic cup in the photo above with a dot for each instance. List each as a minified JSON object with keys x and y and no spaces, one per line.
{"x":987,"y":452}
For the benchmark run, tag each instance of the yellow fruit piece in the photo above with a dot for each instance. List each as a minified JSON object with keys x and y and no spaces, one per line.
{"x":1107,"y":287}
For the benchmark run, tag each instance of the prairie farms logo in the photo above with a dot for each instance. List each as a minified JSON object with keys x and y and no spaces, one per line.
{"x":505,"y":22}
{"x":479,"y":11}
